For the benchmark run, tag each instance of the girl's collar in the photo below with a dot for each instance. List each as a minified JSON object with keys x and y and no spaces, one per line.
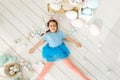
{"x":54,"y":32}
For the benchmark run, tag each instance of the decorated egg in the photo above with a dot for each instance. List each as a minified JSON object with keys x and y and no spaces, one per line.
{"x":71,"y":15}
{"x":56,"y":7}
{"x":15,"y":69}
{"x":11,"y":73}
{"x":11,"y":68}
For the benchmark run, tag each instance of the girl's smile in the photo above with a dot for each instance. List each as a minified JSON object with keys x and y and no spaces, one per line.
{"x":52,"y":27}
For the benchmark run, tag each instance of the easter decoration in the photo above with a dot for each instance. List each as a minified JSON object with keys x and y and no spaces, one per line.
{"x":8,"y":66}
{"x":6,"y":59}
{"x":12,"y":69}
{"x":79,"y":12}
{"x":26,"y":65}
{"x":60,"y":6}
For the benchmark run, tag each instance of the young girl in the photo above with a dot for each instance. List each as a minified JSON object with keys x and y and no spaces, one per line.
{"x":55,"y":49}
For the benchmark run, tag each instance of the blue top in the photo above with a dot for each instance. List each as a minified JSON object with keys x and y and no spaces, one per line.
{"x":54,"y":39}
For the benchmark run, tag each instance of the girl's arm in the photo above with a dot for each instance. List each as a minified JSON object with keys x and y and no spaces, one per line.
{"x":36,"y":46}
{"x":73,"y":41}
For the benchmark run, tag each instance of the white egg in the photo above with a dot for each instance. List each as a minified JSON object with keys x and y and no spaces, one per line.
{"x":11,"y":73}
{"x":11,"y":68}
{"x":56,"y":7}
{"x":15,"y":69}
{"x":71,"y":15}
{"x":22,"y":63}
{"x":25,"y":67}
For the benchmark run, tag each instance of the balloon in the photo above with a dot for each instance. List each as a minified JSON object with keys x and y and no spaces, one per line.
{"x":93,"y":4}
{"x":77,"y":23}
{"x":94,"y":30}
{"x":71,"y":15}
{"x":56,"y":7}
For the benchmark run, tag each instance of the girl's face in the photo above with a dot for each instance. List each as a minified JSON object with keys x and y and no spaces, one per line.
{"x":52,"y":27}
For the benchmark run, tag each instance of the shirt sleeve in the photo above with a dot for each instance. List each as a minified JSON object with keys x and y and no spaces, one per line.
{"x":45,"y":37}
{"x":62,"y":35}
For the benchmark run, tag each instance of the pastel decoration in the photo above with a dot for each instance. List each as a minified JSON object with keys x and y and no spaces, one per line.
{"x":25,"y":67}
{"x":10,"y":59}
{"x":8,"y":56}
{"x":11,"y":73}
{"x":71,"y":15}
{"x":77,"y":23}
{"x":75,"y":2}
{"x":14,"y":58}
{"x":55,"y":1}
{"x":3,"y":60}
{"x":94,"y":30}
{"x":11,"y":68}
{"x":87,"y":11}
{"x":15,"y":70}
{"x":85,"y":17}
{"x":84,"y":4}
{"x":93,"y":4}
{"x":56,"y":7}
{"x":17,"y":78}
{"x":22,"y":63}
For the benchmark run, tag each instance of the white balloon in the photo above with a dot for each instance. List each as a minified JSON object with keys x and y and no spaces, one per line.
{"x":71,"y":15}
{"x":56,"y":7}
{"x":77,"y":23}
{"x":94,"y":30}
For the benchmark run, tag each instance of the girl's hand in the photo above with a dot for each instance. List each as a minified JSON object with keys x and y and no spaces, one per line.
{"x":78,"y":45}
{"x":32,"y":50}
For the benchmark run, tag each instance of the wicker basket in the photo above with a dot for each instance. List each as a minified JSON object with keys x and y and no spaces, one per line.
{"x":12,"y":73}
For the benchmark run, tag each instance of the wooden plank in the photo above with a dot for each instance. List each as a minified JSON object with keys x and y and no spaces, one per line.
{"x":103,"y":61}
{"x":78,"y":58}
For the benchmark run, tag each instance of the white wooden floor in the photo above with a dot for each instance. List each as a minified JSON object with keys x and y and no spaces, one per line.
{"x":99,"y":58}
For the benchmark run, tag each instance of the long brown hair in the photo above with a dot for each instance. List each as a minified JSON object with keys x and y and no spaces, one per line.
{"x":52,"y":20}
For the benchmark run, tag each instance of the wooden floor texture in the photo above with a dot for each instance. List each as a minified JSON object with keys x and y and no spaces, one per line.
{"x":99,"y":57}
